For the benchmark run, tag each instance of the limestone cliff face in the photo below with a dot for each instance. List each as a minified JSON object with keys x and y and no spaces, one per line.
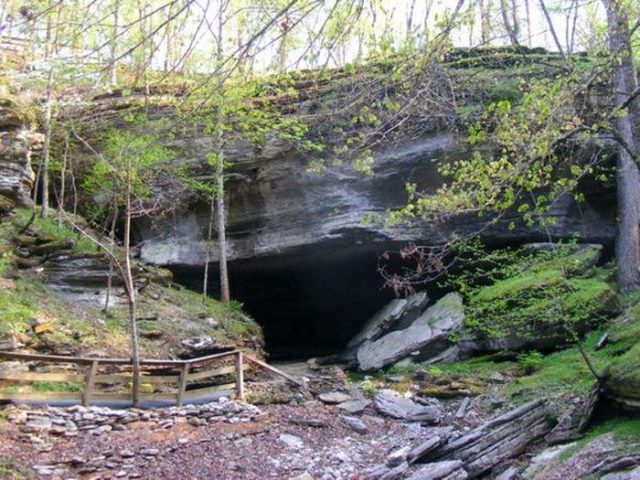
{"x":16,"y":146}
{"x":277,"y":207}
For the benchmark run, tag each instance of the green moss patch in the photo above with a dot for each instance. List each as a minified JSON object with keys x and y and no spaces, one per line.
{"x":551,"y":294}
{"x":561,"y":373}
{"x":50,"y":229}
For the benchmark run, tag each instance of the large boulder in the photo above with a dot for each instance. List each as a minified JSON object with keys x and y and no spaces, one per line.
{"x":400,"y":311}
{"x":426,"y":337}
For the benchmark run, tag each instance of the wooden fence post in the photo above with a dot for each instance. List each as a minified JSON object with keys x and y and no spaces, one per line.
{"x":239,"y":377}
{"x":89,"y":381}
{"x":182,"y":385}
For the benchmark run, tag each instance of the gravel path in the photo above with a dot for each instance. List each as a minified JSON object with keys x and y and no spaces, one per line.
{"x":272,"y":445}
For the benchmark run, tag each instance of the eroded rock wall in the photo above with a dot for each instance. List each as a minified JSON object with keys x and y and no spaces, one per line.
{"x":16,"y":146}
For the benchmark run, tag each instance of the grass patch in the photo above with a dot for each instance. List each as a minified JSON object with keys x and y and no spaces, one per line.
{"x":478,"y":367}
{"x":56,"y":387}
{"x":625,"y":430}
{"x":176,"y":313}
{"x":560,"y":373}
{"x":541,"y":295}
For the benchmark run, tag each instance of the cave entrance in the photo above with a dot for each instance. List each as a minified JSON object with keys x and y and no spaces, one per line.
{"x":309,"y":302}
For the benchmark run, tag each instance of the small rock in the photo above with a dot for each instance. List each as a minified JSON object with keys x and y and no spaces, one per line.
{"x":354,"y":406}
{"x":342,"y":456}
{"x":37,"y":424}
{"x":510,"y":473}
{"x":496,"y":377}
{"x":420,"y":374}
{"x":291,"y":441}
{"x":198,"y":345}
{"x":392,"y":404}
{"x":212,"y":322}
{"x":243,"y":442}
{"x":304,"y":476}
{"x":334,"y":397}
{"x":355,"y":424}
{"x":397,"y":457}
{"x":127,"y":454}
{"x":373,"y":419}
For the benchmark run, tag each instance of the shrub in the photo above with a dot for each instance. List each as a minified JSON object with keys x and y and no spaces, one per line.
{"x":530,"y":362}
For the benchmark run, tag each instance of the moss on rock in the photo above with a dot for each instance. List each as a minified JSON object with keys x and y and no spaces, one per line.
{"x":623,"y":374}
{"x":553,"y":297}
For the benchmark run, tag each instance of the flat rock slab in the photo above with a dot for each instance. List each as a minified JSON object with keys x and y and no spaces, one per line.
{"x":354,"y":406}
{"x":381,"y":320}
{"x":424,"y":448}
{"x":392,"y":404}
{"x":427,"y":335}
{"x":510,"y":473}
{"x":628,"y":475}
{"x":334,"y":397}
{"x":355,"y":424}
{"x":438,"y":470}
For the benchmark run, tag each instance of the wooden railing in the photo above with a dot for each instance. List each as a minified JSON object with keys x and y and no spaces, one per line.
{"x":83,"y":383}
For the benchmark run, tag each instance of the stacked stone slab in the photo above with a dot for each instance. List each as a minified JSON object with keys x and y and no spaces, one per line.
{"x":16,"y":145}
{"x":405,"y":328}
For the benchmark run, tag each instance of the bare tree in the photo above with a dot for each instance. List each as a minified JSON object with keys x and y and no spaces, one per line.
{"x":552,"y":29}
{"x":511,"y":25}
{"x":46,"y":152}
{"x":485,"y":20}
{"x":625,"y":83}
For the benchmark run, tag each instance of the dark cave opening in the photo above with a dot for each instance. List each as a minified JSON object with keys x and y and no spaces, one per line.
{"x":309,"y":302}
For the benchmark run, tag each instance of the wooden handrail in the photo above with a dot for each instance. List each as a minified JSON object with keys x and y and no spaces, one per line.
{"x":91,"y":377}
{"x":110,"y":361}
{"x":271,"y":369}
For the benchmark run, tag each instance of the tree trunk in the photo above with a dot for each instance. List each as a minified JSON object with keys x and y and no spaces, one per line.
{"x":207,"y":258}
{"x":44,"y":175}
{"x":112,"y":240}
{"x":551,"y":27}
{"x":225,"y":295}
{"x":511,"y":28}
{"x":485,"y":21}
{"x":628,"y":176}
{"x":63,"y":179}
{"x":113,"y":67}
{"x":527,"y":10}
{"x":131,"y":294}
